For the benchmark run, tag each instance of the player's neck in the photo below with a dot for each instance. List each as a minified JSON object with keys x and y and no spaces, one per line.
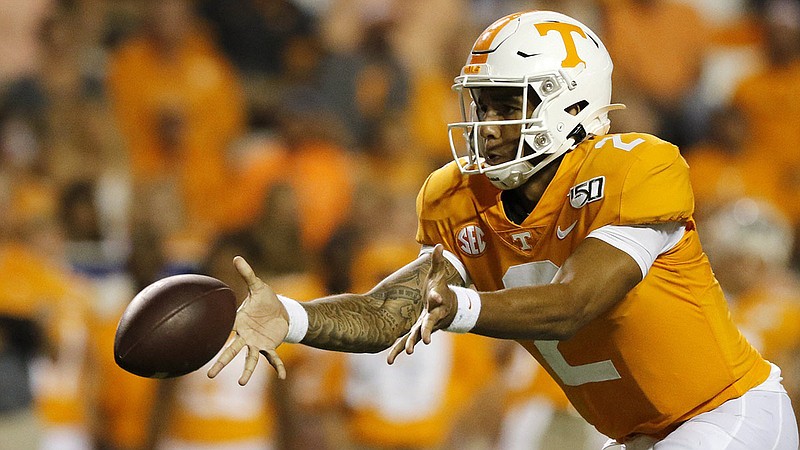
{"x":519,"y":202}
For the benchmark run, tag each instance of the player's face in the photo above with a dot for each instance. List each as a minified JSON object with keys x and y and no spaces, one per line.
{"x":499,"y":143}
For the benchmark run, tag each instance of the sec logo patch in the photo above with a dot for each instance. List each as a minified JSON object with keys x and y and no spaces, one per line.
{"x":470,"y":240}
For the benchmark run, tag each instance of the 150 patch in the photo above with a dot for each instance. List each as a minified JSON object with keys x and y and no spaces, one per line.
{"x":587,"y":192}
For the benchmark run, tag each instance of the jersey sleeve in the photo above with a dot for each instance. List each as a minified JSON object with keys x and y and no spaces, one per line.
{"x":657,"y":188}
{"x":446,"y":197}
{"x":425,"y":226}
{"x":645,"y":181}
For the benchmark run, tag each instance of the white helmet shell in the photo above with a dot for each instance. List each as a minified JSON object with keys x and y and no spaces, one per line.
{"x":552,"y":55}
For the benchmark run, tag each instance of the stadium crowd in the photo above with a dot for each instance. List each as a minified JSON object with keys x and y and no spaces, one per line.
{"x":146,"y":138}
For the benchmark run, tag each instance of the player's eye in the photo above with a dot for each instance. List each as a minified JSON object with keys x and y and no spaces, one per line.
{"x":508,"y":109}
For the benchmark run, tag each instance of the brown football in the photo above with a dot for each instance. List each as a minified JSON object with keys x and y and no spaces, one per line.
{"x":174,"y":326}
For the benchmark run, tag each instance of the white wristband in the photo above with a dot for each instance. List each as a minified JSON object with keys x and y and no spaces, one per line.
{"x":469,"y":308}
{"x":298,"y":320}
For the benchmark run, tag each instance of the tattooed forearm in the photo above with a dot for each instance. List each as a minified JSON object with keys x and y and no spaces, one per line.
{"x":356,"y":323}
{"x":372,"y":322}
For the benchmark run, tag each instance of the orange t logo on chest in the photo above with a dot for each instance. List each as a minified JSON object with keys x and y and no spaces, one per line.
{"x":564,"y":30}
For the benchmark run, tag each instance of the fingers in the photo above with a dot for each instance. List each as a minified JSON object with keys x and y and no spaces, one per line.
{"x":276,"y":362}
{"x":247,"y":273}
{"x":226,"y":356}
{"x":397,"y":348}
{"x":250,"y":363}
{"x":407,"y":342}
{"x":434,"y":300}
{"x":425,"y":325}
{"x":437,"y":258}
{"x":436,"y":272}
{"x":412,"y":338}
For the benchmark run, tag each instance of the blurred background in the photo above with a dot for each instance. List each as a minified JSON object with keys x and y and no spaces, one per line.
{"x":145,"y":138}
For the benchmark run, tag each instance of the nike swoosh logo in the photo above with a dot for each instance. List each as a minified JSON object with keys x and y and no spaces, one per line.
{"x":527,"y":55}
{"x":561,"y":234}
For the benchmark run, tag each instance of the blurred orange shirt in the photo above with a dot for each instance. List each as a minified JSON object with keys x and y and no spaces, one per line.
{"x":193,"y":100}
{"x":658,"y":46}
{"x":773,"y":117}
{"x":719,"y":176}
{"x":321,"y":174}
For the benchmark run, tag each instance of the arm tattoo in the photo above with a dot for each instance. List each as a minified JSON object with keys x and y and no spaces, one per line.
{"x":371,"y":322}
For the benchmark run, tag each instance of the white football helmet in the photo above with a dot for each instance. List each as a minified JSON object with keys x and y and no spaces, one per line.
{"x":544,"y":54}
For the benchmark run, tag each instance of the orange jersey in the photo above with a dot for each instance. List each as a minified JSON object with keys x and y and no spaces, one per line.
{"x":525,"y":380}
{"x":668,"y":350}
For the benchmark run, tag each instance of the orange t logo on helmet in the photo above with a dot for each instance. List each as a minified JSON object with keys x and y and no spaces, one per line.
{"x":482,"y":47}
{"x":565,"y":30}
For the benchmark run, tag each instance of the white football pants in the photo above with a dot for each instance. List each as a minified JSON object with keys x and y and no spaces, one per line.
{"x":761,"y":419}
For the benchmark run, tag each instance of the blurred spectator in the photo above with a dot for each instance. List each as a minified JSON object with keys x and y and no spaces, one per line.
{"x":34,"y":282}
{"x":20,"y":341}
{"x":301,"y":152}
{"x":718,"y":168}
{"x":259,"y":159}
{"x":28,"y":189}
{"x":362,"y":85}
{"x":65,"y":379}
{"x":319,"y":172}
{"x":194,"y":411}
{"x":21,"y":21}
{"x":305,"y":154}
{"x":179,"y":107}
{"x":122,"y":399}
{"x":663,"y":78}
{"x":521,"y":408}
{"x":336,"y":257}
{"x":735,"y":49}
{"x":393,"y":160}
{"x":749,"y":244}
{"x":278,"y":233}
{"x":300,"y":81}
{"x":32,"y":290}
{"x":765,"y":100}
{"x":432,"y":51}
{"x":37,"y":295}
{"x":254,"y":34}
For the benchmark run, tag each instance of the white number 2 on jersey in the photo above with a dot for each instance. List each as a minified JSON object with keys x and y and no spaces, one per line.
{"x":542,"y":272}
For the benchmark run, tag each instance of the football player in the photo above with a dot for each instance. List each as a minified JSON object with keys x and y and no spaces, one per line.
{"x":576,"y":243}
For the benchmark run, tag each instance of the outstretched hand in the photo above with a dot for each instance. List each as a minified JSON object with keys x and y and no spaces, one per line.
{"x":440,"y":307}
{"x":261,"y":325}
